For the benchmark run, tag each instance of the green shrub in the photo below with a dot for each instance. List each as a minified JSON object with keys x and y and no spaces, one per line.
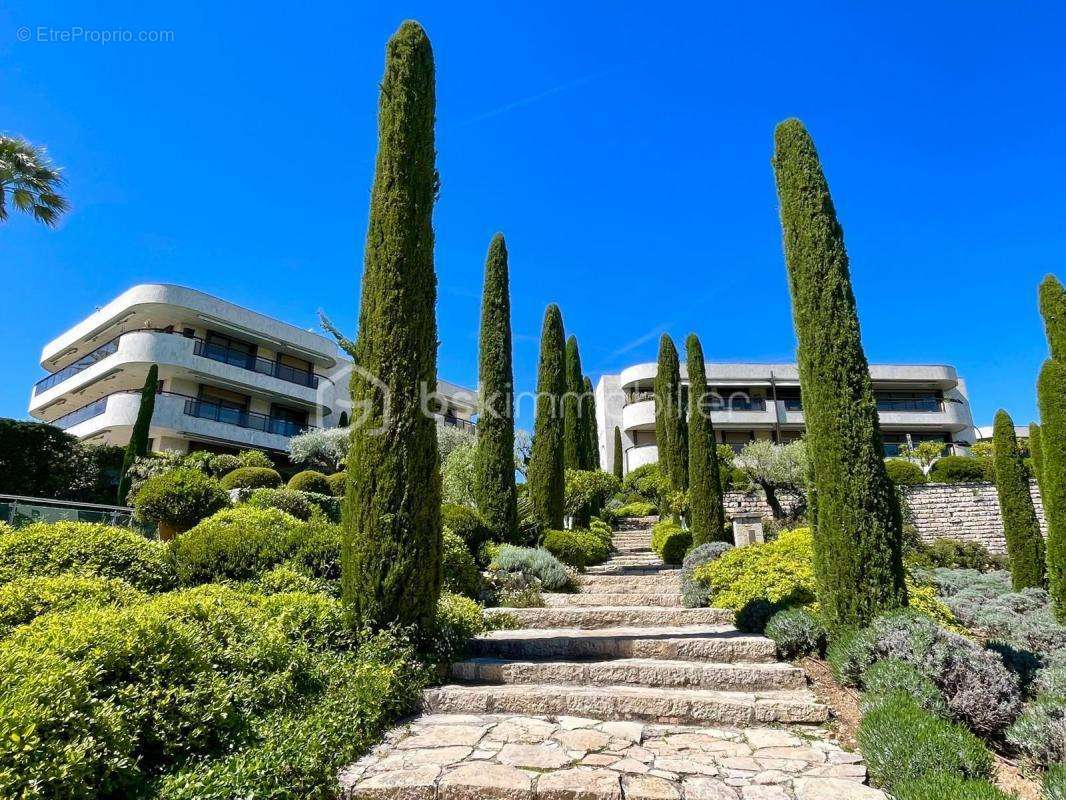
{"x":466,"y":523}
{"x":220,"y":464}
{"x":290,"y":501}
{"x":252,"y":478}
{"x":902,"y":742}
{"x":779,"y":572}
{"x":601,"y":529}
{"x":239,"y":543}
{"x":255,"y":458}
{"x":1040,"y":731}
{"x":886,"y":678}
{"x":297,"y":752}
{"x":957,"y":469}
{"x":845,"y":656}
{"x":670,"y":542}
{"x":952,"y":554}
{"x":576,"y":548}
{"x":52,"y":548}
{"x":797,"y":632}
{"x":24,"y":599}
{"x":325,"y":504}
{"x":647,"y":481}
{"x":904,"y":473}
{"x":458,"y":620}
{"x":286,"y":579}
{"x":586,"y":492}
{"x":318,"y":551}
{"x":636,"y":509}
{"x":945,"y":786}
{"x":1055,"y":782}
{"x":310,"y":481}
{"x":337,"y":482}
{"x":695,"y":594}
{"x":180,"y":498}
{"x":534,"y":562}
{"x":460,"y":571}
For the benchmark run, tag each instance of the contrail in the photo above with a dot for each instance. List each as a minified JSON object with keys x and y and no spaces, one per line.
{"x":525,"y":101}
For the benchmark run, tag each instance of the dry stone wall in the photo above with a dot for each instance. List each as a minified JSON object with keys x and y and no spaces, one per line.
{"x":964,"y":511}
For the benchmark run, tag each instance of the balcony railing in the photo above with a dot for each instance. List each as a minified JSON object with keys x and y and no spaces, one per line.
{"x":86,"y":361}
{"x":237,"y":358}
{"x":79,"y":415}
{"x":457,"y":422}
{"x":925,"y":404}
{"x":205,"y":409}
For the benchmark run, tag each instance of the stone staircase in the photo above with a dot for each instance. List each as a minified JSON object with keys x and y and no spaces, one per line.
{"x":622,"y":650}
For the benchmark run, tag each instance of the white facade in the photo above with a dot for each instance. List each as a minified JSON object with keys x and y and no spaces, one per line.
{"x":230,"y":378}
{"x":762,"y":401}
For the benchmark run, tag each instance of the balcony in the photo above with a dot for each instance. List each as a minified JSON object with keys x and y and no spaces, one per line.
{"x":452,"y":421}
{"x":86,"y":361}
{"x":205,"y":409}
{"x":236,"y":358}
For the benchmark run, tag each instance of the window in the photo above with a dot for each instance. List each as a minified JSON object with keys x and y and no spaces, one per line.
{"x":229,"y":351}
{"x":908,"y":401}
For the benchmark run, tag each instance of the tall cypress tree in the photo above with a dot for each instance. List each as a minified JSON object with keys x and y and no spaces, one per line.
{"x":706,"y":510}
{"x":494,"y":484}
{"x":546,"y":471}
{"x":575,"y":435}
{"x":138,"y":444}
{"x":592,"y":444}
{"x":391,"y":554}
{"x":1025,"y":543}
{"x":1037,"y":454}
{"x":1051,"y":393}
{"x":618,"y":454}
{"x":855,"y":514}
{"x":670,"y":427}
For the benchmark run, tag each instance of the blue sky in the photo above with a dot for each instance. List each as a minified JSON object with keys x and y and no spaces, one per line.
{"x":622,"y":148}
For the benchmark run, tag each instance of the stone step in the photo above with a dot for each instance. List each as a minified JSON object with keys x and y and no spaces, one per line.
{"x":624,"y":703}
{"x":591,"y":617}
{"x":729,"y":677}
{"x":641,"y":584}
{"x":613,"y":599}
{"x":715,"y":643}
{"x":624,"y":569}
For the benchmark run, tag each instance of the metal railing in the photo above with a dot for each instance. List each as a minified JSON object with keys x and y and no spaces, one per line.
{"x":922,"y":404}
{"x":83,"y":363}
{"x":205,"y":409}
{"x":79,"y":415}
{"x":18,"y":511}
{"x":457,"y":422}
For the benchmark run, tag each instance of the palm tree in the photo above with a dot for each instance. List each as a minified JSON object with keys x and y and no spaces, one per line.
{"x":30,"y":180}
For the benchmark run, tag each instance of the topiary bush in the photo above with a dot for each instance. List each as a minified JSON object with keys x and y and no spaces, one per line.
{"x":460,"y":571}
{"x":51,"y":548}
{"x":670,"y":541}
{"x":535,"y":562}
{"x":904,"y":473}
{"x":891,"y":676}
{"x":337,"y":483}
{"x":177,"y":500}
{"x":466,"y":523}
{"x":946,"y":786}
{"x":647,"y":481}
{"x":797,"y":632}
{"x":252,"y":478}
{"x":310,"y":481}
{"x":1040,"y":731}
{"x":576,"y":547}
{"x":238,"y":544}
{"x":902,"y":742}
{"x":24,"y":599}
{"x":288,"y":500}
{"x":957,"y":469}
{"x":636,"y":509}
{"x":694,"y":593}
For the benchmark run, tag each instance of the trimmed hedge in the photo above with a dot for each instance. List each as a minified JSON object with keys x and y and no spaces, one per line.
{"x":180,"y":498}
{"x":24,"y":599}
{"x":576,"y":547}
{"x":957,"y":469}
{"x":310,"y":481}
{"x":252,"y":478}
{"x":902,"y":742}
{"x":904,"y":473}
{"x":46,"y":549}
{"x":337,"y":483}
{"x":290,"y":501}
{"x":670,"y":541}
{"x":636,"y":509}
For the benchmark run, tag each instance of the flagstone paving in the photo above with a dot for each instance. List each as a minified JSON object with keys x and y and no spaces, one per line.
{"x":619,"y":694}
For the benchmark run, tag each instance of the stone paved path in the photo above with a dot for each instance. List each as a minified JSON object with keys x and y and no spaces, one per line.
{"x":616,"y":692}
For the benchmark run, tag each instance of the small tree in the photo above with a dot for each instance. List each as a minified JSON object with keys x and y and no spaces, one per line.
{"x":618,"y":454}
{"x":1025,"y":544}
{"x":670,"y":429}
{"x":777,"y":468}
{"x":177,"y":500}
{"x":546,"y":471}
{"x":706,"y":510}
{"x":925,"y":453}
{"x":138,"y":444}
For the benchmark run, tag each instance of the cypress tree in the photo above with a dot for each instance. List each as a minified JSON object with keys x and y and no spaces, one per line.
{"x":1051,"y":394}
{"x":138,"y":444}
{"x":855,"y":514}
{"x":618,"y":455}
{"x":1025,"y":544}
{"x":670,"y":434}
{"x":575,"y":434}
{"x":1036,"y":453}
{"x":546,"y":471}
{"x":391,"y":555}
{"x":592,"y":445}
{"x":494,"y":484}
{"x":706,"y":510}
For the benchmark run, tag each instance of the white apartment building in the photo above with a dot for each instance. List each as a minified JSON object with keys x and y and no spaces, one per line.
{"x":762,"y":401}
{"x":229,"y":378}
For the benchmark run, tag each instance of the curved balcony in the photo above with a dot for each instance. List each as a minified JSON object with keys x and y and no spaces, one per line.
{"x":639,"y":456}
{"x":639,"y":416}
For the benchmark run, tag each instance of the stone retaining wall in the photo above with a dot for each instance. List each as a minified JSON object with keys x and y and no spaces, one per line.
{"x":963,"y":511}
